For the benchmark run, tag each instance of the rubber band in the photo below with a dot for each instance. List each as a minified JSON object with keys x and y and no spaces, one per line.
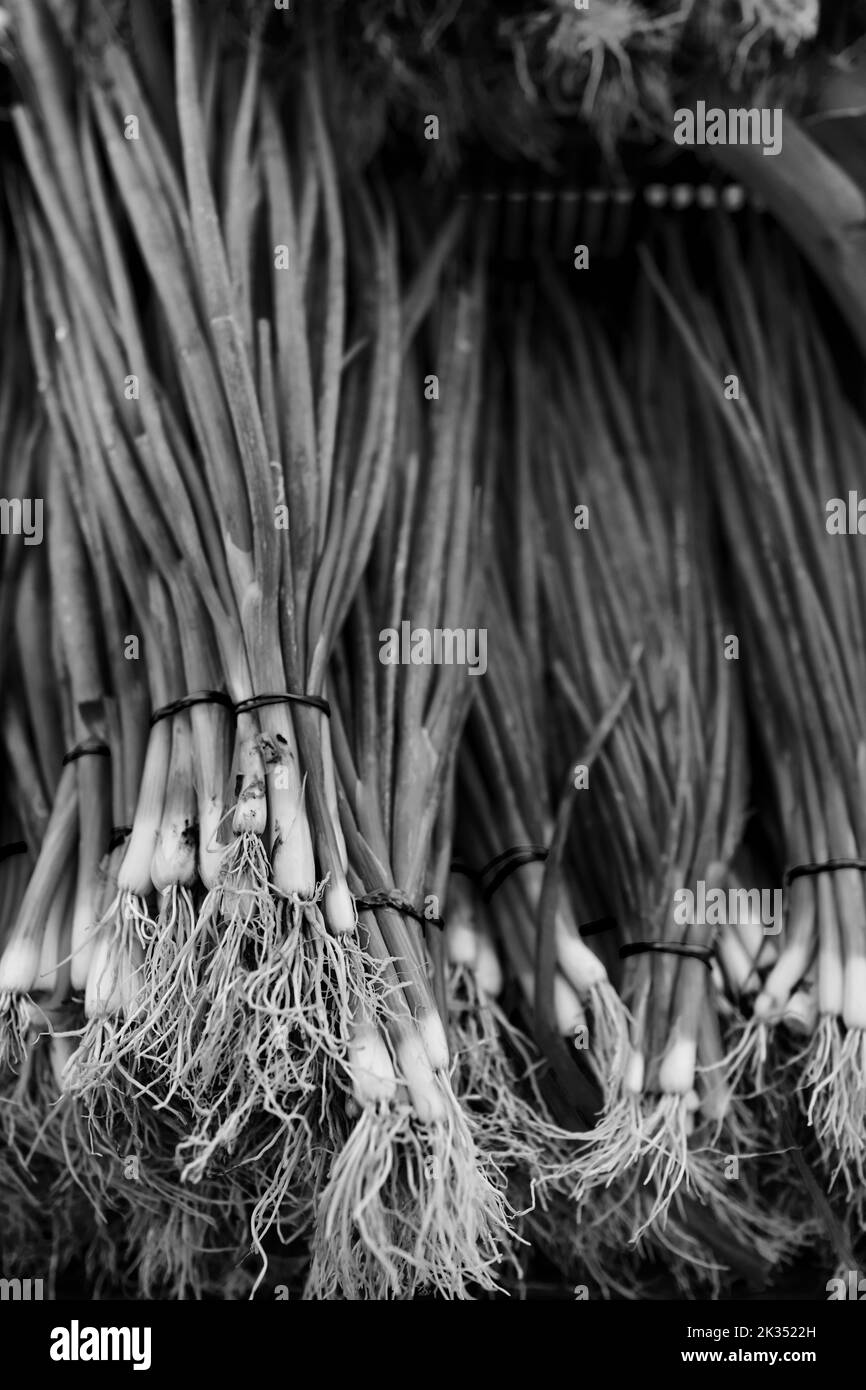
{"x":88,"y":747}
{"x":287,"y":698}
{"x":540,"y":851}
{"x":705,"y":954}
{"x":199,"y":697}
{"x":13,"y":847}
{"x":515,"y":858}
{"x":459,"y":866}
{"x":393,"y":897}
{"x":829,"y":866}
{"x":509,"y":861}
{"x":117,"y":835}
{"x":601,"y":924}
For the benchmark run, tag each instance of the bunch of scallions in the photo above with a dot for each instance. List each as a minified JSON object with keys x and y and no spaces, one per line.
{"x":221,"y":367}
{"x":787,"y":458}
{"x":414,"y":1197}
{"x":628,"y":601}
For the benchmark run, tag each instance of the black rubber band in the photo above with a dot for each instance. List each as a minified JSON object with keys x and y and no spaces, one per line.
{"x":506,"y":863}
{"x":13,"y":847}
{"x":199,"y":697}
{"x":515,"y":858}
{"x":706,"y":954}
{"x":392,"y":897}
{"x":601,"y":924}
{"x":829,"y":866}
{"x":538,"y":851}
{"x":87,"y":748}
{"x":459,"y":866}
{"x":117,"y":835}
{"x":287,"y":698}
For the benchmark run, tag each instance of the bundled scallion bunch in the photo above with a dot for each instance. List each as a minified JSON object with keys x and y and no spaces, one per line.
{"x":413,"y":1200}
{"x":787,"y":455}
{"x":634,"y":649}
{"x":221,"y":367}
